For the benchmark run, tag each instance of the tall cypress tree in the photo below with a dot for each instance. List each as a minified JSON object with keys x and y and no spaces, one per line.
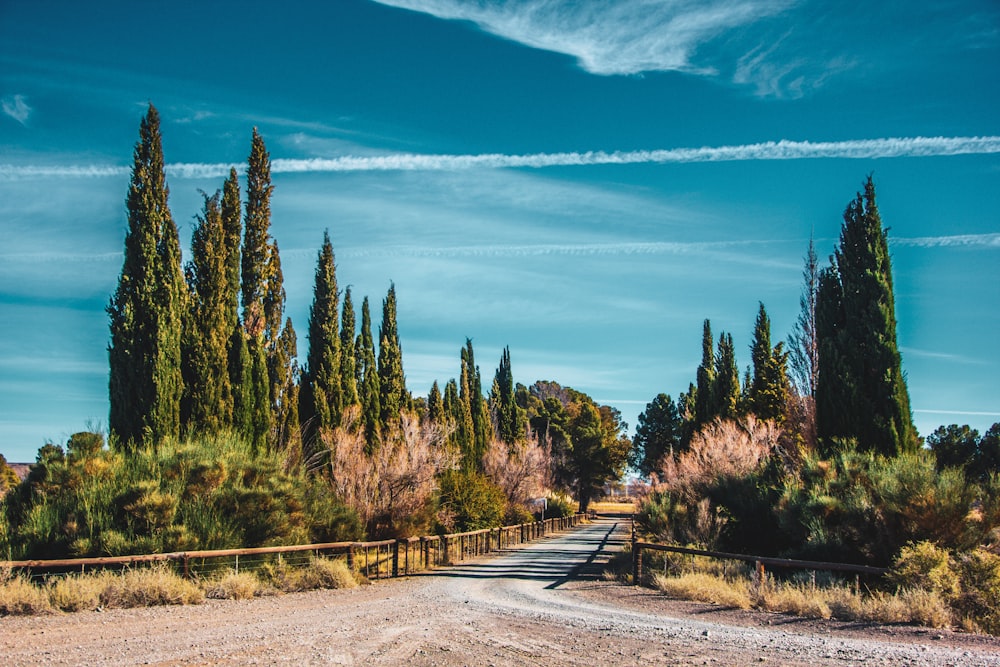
{"x":146,"y":310}
{"x":508,"y":420}
{"x":284,"y":376}
{"x":858,"y":339}
{"x":767,"y":393}
{"x":726,"y":388}
{"x":482,"y":427}
{"x":435,"y":405}
{"x":348,"y":381}
{"x":392,"y":383}
{"x":207,"y":403}
{"x":803,"y":345}
{"x":368,"y":385}
{"x":704,"y":397}
{"x":321,"y":402}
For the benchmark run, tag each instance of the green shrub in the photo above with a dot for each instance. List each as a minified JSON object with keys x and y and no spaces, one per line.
{"x":979,"y":596}
{"x":559,"y":505}
{"x":927,"y":567}
{"x":469,"y":501}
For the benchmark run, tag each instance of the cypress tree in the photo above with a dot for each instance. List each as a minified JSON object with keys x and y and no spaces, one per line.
{"x":321,"y":380}
{"x":767,"y":394}
{"x":371,"y":405}
{"x":285,"y":394}
{"x":241,"y":379}
{"x":207,"y":403}
{"x":348,"y":381}
{"x":392,"y":383}
{"x":863,"y":347}
{"x":465,"y":428}
{"x":704,"y":397}
{"x":258,"y":404}
{"x":803,"y":345}
{"x":482,"y":427}
{"x":232,"y":229}
{"x":657,"y":434}
{"x":505,"y":410}
{"x":726,"y":388}
{"x":146,"y":310}
{"x":435,"y":405}
{"x":256,"y":239}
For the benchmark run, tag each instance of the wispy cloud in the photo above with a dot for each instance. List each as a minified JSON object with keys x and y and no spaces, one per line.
{"x":892,"y":147}
{"x":16,"y":106}
{"x":608,"y":36}
{"x":956,"y":241}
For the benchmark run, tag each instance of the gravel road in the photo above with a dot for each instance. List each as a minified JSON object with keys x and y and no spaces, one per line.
{"x":543,"y":604}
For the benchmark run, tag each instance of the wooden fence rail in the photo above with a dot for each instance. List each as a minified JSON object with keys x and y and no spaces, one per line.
{"x":377,"y":559}
{"x":760,"y":562}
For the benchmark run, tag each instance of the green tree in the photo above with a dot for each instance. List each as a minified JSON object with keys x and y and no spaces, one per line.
{"x":348,"y":377}
{"x":146,"y":310}
{"x":207,"y":402}
{"x":506,"y":414}
{"x":322,"y":390}
{"x":435,"y":405}
{"x":803,"y":345}
{"x":704,"y":398}
{"x":860,"y":364}
{"x":368,"y":383}
{"x":726,"y":386}
{"x":954,"y":446}
{"x":283,"y":373}
{"x":471,"y":392}
{"x":767,"y":394}
{"x":657,"y":434}
{"x":392,"y":383}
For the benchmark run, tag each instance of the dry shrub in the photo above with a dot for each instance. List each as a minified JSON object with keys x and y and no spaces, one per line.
{"x":18,"y":596}
{"x":723,"y":448}
{"x":521,"y":470}
{"x":326,"y":573}
{"x":795,"y":599}
{"x":395,"y":482}
{"x":75,"y":593}
{"x":148,"y":587}
{"x":704,"y":588}
{"x":236,"y":586}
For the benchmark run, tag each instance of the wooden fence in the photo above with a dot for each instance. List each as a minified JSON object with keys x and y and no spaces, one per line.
{"x":376,"y":560}
{"x":760,"y":562}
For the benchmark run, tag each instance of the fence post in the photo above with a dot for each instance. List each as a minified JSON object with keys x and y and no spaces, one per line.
{"x":395,"y":558}
{"x":350,"y":557}
{"x":636,"y":563}
{"x":444,"y":550}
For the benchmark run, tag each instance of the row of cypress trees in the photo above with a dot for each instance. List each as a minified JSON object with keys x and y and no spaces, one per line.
{"x":208,"y":349}
{"x":184,"y":356}
{"x":848,"y":382}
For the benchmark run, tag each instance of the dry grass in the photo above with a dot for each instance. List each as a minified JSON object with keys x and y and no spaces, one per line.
{"x":148,"y":587}
{"x":236,"y":586}
{"x":75,"y":593}
{"x":613,"y":508}
{"x":19,"y":596}
{"x":916,"y":606}
{"x":705,"y":588}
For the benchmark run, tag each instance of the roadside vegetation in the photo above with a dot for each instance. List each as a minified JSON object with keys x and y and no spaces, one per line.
{"x":814,"y":456}
{"x":161,"y":585}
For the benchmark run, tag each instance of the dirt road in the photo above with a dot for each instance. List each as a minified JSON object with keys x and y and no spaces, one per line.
{"x":544,"y":604}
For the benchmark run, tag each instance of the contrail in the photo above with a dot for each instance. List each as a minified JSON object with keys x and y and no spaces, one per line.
{"x":772,"y":150}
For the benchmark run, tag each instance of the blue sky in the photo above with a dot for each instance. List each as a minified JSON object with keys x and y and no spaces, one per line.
{"x":585,"y":182}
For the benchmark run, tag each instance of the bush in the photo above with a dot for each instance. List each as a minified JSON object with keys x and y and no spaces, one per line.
{"x":704,"y":588}
{"x":19,"y":596}
{"x":927,"y":567}
{"x":559,"y":505}
{"x":470,"y":501}
{"x":203,"y":493}
{"x":148,"y":587}
{"x":236,"y":586}
{"x":978,"y":602}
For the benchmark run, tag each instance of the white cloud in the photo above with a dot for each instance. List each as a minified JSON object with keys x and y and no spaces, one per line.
{"x":891,"y":147}
{"x":956,"y":241}
{"x":609,"y":36}
{"x":17,"y":108}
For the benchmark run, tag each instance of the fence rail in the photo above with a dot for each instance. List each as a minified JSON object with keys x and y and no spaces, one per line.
{"x":376,"y":560}
{"x":760,"y":562}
